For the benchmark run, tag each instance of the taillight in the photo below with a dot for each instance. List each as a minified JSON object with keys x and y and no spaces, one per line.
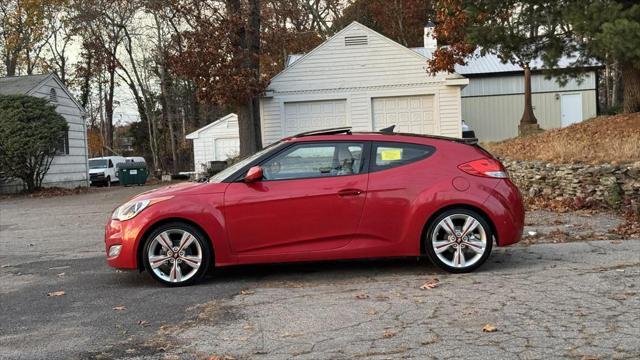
{"x":485,"y":167}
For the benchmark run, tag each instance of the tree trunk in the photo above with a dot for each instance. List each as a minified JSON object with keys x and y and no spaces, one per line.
{"x":246,"y":130}
{"x":631,"y":86}
{"x":108,"y":107}
{"x":528,"y":117}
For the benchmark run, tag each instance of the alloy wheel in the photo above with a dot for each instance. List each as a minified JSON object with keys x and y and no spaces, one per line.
{"x":459,"y":241}
{"x":175,"y":255}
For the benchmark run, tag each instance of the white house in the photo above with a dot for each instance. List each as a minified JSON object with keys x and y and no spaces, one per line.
{"x":362,"y":79}
{"x":70,"y":167}
{"x":217,"y":141}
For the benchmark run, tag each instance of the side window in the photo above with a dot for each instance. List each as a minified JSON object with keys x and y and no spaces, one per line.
{"x":110,"y":163}
{"x":62,"y":147}
{"x":315,"y":160}
{"x":390,"y":155}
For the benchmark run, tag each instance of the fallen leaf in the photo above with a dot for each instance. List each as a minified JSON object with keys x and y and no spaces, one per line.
{"x":61,"y":274}
{"x":119,"y":308}
{"x":220,"y":357}
{"x":5,"y":266}
{"x":362,"y":296}
{"x":616,"y":242}
{"x":489,"y":328}
{"x":372,"y":312}
{"x":589,"y":357}
{"x":389,"y":333}
{"x":56,"y":293}
{"x":143,"y":323}
{"x":433,"y":283}
{"x":247,"y":292}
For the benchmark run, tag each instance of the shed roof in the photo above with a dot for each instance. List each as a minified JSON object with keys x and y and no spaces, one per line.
{"x":14,"y":85}
{"x":478,"y":64}
{"x":220,"y":121}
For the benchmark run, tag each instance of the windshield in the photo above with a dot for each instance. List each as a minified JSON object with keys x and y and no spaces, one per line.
{"x":98,"y":164}
{"x":219,"y":177}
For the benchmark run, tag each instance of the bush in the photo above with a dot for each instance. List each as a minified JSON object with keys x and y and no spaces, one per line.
{"x":30,"y":131}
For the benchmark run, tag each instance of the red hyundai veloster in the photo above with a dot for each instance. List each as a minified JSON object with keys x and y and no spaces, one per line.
{"x":325,"y":195}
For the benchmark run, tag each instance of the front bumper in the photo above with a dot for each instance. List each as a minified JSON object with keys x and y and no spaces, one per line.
{"x":97,"y":178}
{"x":126,"y":235}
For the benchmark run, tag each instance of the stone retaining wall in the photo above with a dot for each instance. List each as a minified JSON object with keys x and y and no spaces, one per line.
{"x":606,"y":184}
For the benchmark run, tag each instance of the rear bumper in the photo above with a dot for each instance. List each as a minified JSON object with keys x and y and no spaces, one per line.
{"x":505,"y":203}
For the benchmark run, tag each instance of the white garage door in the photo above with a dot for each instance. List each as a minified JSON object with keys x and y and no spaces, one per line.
{"x":314,"y":115}
{"x":226,"y":148}
{"x":410,"y":114}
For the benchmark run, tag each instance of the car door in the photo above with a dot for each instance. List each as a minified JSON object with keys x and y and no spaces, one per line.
{"x":112,"y":171}
{"x":310,"y":199}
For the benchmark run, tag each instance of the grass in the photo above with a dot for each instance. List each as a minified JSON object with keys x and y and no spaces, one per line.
{"x":601,"y":140}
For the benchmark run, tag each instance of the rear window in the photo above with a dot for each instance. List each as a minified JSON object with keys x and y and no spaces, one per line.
{"x":389,"y":155}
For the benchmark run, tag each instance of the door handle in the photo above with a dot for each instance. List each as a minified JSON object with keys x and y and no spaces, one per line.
{"x":349,"y":192}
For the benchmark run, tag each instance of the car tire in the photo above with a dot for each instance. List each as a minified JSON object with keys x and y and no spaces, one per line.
{"x":154,"y":248}
{"x":108,"y":181}
{"x":456,"y":250}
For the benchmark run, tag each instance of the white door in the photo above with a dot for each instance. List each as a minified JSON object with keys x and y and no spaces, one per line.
{"x":314,"y":115}
{"x":570,"y":109}
{"x":410,"y":114}
{"x":227,"y":148}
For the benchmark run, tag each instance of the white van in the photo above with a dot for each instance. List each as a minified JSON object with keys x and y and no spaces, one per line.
{"x":103,"y":170}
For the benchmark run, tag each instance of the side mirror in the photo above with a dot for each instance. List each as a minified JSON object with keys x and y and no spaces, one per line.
{"x":254,"y":174}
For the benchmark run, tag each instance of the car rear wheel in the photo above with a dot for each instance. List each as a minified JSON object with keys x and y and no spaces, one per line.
{"x":459,"y":240}
{"x":176,"y":254}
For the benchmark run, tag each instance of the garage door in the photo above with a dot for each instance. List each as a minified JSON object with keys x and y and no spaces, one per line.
{"x":226,"y":148}
{"x":411,"y":114}
{"x":314,"y":115}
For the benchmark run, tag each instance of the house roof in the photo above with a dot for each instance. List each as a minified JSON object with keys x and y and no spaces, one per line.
{"x":28,"y":84}
{"x":478,"y":64}
{"x":220,"y":121}
{"x":292,"y":58}
{"x":14,"y":85}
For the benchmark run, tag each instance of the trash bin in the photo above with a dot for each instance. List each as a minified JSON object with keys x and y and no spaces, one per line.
{"x":133,"y":173}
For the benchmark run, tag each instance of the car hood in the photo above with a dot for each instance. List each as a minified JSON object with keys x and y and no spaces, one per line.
{"x":96,"y":171}
{"x":185,"y":188}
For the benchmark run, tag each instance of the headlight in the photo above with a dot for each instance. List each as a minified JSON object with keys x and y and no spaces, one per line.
{"x":133,"y":208}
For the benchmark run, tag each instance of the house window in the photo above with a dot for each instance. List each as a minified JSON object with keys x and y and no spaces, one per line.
{"x":63,"y":145}
{"x":53,"y":95}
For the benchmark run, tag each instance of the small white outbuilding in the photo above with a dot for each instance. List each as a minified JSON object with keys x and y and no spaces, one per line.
{"x":217,"y":141}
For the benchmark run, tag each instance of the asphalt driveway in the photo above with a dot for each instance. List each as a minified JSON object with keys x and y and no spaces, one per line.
{"x":572,"y":300}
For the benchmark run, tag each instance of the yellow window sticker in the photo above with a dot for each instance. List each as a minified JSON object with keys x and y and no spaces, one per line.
{"x":388,"y":154}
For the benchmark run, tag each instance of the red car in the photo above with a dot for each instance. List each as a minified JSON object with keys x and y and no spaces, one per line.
{"x":325,"y":195}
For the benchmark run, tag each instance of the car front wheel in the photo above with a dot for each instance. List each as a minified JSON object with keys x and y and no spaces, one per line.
{"x":176,"y":254}
{"x":459,"y":240}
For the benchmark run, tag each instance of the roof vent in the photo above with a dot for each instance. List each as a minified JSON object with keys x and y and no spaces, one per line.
{"x":355,"y":40}
{"x":53,"y":96}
